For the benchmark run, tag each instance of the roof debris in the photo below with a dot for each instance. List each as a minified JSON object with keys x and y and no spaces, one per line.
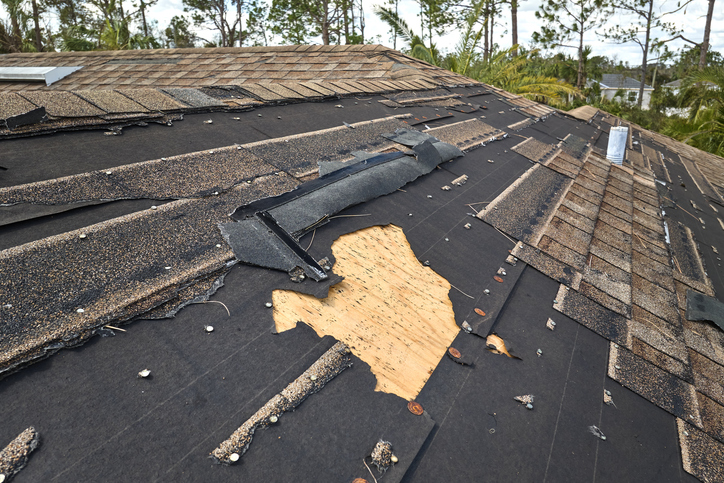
{"x":15,"y":455}
{"x":326,"y":368}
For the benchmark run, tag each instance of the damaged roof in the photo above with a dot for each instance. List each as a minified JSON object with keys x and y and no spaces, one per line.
{"x":322,"y":263}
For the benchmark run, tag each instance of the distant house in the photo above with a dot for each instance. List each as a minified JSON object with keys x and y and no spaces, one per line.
{"x":611,"y":84}
{"x":676,"y":85}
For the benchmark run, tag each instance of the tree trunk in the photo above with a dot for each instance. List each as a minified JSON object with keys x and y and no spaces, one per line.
{"x":646,"y":53}
{"x":486,"y":30}
{"x":394,"y":32}
{"x":241,"y":25}
{"x":345,"y":6}
{"x":707,"y":31}
{"x":36,"y":21}
{"x":579,"y":81}
{"x":143,"y":19}
{"x":325,"y":23}
{"x":17,"y":38}
{"x":514,"y":23}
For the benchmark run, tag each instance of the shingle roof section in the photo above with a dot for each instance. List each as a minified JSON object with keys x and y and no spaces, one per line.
{"x":528,"y":228}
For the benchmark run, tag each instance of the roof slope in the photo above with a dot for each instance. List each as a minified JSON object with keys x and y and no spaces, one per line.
{"x":620,"y":81}
{"x":532,"y":243}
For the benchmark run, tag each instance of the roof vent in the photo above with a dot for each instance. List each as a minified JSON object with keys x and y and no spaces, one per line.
{"x":617,"y":144}
{"x":48,"y":75}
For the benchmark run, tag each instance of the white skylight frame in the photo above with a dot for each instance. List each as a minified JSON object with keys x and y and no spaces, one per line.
{"x":49,"y":75}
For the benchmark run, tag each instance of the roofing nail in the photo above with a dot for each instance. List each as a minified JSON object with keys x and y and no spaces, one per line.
{"x":144,"y":373}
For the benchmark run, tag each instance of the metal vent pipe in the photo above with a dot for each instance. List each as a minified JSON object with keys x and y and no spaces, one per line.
{"x":617,"y":144}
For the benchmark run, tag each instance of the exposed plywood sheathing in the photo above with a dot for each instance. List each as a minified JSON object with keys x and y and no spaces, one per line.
{"x":392,"y":312}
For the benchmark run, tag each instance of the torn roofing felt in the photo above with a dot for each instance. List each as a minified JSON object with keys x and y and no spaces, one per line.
{"x":266,"y":232}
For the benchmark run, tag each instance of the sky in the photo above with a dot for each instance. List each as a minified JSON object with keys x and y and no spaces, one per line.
{"x":691,"y":21}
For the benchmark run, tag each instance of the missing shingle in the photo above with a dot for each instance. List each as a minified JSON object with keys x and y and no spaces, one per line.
{"x":394,"y":313}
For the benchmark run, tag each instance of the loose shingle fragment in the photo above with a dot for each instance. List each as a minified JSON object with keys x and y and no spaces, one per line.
{"x":15,"y":455}
{"x":326,"y":368}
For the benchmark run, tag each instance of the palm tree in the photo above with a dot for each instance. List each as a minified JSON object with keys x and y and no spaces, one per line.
{"x":416,"y":46}
{"x":703,"y":92}
{"x":510,"y":72}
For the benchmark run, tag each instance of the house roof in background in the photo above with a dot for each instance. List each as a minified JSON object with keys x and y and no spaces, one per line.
{"x":366,"y":239}
{"x":620,"y":81}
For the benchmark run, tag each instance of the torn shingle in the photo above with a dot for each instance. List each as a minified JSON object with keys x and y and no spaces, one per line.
{"x":656,"y":385}
{"x":701,"y":455}
{"x":596,"y":317}
{"x":703,"y":307}
{"x":523,"y":209}
{"x":299,"y":155}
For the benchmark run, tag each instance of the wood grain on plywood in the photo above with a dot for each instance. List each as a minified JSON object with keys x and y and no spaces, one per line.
{"x":393,"y":313}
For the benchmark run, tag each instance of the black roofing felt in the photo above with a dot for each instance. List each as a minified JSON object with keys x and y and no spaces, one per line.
{"x":99,"y":422}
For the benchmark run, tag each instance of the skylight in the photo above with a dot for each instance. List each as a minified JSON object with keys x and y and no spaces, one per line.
{"x":48,"y":75}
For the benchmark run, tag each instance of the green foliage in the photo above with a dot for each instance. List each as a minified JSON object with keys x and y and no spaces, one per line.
{"x":517,"y":74}
{"x":178,"y":33}
{"x":570,"y":20}
{"x":416,"y":46}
